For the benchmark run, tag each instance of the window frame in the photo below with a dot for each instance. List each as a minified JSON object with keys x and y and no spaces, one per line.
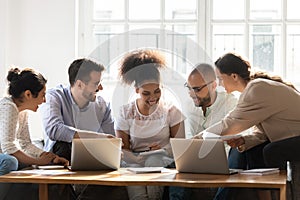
{"x":85,"y":30}
{"x":204,"y":27}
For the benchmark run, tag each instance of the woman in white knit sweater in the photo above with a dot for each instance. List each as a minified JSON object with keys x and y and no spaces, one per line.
{"x":26,"y":92}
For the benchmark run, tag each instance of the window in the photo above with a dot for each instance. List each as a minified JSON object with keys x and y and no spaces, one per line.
{"x":170,"y":25}
{"x":109,"y":31}
{"x":265,"y":31}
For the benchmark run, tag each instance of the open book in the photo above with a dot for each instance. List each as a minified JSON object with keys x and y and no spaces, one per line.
{"x":260,"y":172}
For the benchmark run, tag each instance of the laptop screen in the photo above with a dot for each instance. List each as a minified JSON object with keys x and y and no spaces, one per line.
{"x":200,"y":156}
{"x":96,"y":154}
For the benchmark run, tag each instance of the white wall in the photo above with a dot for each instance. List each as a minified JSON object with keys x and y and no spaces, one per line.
{"x":41,"y":34}
{"x":37,"y":34}
{"x":3,"y":10}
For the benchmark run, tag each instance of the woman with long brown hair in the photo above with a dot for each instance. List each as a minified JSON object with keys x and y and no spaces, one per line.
{"x":266,"y":103}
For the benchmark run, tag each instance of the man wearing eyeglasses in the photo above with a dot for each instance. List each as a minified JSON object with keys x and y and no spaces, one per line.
{"x":210,"y":105}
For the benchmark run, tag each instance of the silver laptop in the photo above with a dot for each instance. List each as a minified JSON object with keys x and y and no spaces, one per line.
{"x":96,"y":154}
{"x":200,"y":156}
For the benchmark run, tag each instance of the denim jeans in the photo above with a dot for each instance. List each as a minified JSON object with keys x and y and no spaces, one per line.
{"x":236,"y":159}
{"x":7,"y":164}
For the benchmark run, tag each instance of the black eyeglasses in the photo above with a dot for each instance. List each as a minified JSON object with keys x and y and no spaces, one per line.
{"x":197,"y":89}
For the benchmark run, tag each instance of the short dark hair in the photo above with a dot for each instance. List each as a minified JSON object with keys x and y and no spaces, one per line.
{"x":80,"y":69}
{"x":22,"y":80}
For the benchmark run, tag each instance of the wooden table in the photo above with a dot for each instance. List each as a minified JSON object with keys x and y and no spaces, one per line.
{"x":122,"y":177}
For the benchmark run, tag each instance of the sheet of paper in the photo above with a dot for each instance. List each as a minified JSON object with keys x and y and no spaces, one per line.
{"x":209,"y":135}
{"x":43,"y":172}
{"x":263,"y":171}
{"x":49,"y":167}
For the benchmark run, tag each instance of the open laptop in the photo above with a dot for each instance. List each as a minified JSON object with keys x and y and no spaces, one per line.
{"x":200,"y":156}
{"x":96,"y":154}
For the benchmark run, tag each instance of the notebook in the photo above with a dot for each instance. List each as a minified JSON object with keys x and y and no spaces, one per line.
{"x":261,"y":172}
{"x":96,"y":154}
{"x":200,"y":156}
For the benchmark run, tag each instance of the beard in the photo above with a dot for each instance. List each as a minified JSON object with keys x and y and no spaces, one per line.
{"x":204,"y":101}
{"x":90,"y":96}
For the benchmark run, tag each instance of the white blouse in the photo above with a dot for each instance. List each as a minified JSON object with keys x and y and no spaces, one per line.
{"x":145,"y":130}
{"x":14,"y":131}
